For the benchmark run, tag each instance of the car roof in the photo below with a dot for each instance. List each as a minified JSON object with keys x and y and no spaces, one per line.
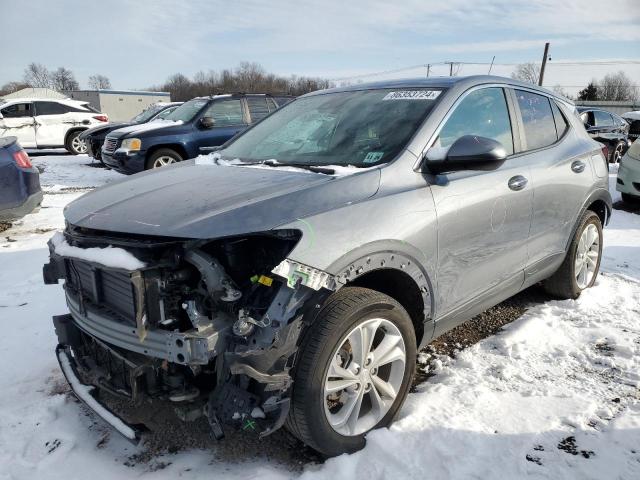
{"x":443,"y":82}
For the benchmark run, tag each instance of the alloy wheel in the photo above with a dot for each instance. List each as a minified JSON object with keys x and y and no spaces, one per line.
{"x":163,"y":160}
{"x":587,"y":255}
{"x":78,"y":145}
{"x":617,"y":154}
{"x":364,"y":377}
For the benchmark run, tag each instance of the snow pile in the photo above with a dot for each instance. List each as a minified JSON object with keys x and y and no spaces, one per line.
{"x":109,"y":256}
{"x":273,"y":164}
{"x":60,"y":172}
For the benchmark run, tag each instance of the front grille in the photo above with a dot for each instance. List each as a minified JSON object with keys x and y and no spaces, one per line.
{"x":111,"y":289}
{"x":110,"y":145}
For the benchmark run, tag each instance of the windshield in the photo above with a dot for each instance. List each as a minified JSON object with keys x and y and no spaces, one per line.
{"x":147,"y":114}
{"x":187,"y":110}
{"x":361,"y":128}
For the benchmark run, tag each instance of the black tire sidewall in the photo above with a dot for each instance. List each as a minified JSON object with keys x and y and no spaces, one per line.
{"x":69,"y":143}
{"x":325,"y":438}
{"x":590,"y":218}
{"x":163,"y":152}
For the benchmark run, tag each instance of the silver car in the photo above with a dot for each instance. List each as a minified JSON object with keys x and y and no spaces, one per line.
{"x":289,"y":278}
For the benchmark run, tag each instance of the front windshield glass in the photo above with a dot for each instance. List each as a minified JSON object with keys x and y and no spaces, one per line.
{"x":187,"y":110}
{"x":147,"y":114}
{"x":360,"y":128}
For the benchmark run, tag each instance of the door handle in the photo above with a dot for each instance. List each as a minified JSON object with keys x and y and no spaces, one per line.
{"x":517,"y":183}
{"x":578,"y":166}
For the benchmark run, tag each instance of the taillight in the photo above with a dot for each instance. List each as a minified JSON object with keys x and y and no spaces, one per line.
{"x":101,"y":118}
{"x":22,"y":159}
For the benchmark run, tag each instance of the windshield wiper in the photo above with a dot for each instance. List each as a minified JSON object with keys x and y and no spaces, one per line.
{"x":305,"y":166}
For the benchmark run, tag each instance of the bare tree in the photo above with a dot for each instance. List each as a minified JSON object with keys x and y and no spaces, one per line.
{"x":11,"y":87}
{"x":36,"y":75}
{"x":63,"y":80}
{"x":99,"y":82}
{"x":527,"y":72}
{"x":561,"y":91}
{"x":617,"y":87}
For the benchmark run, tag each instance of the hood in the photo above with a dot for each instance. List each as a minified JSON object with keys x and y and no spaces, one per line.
{"x":149,"y":129}
{"x":635,"y":115}
{"x":211,"y":201}
{"x":103,"y":129}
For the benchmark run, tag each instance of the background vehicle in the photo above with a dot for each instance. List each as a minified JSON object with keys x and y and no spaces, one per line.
{"x":20,"y":190}
{"x":94,"y":137}
{"x":269,"y":279}
{"x":634,"y":124}
{"x":607,"y":128}
{"x":188,"y":131}
{"x":48,"y":123}
{"x":628,"y":181}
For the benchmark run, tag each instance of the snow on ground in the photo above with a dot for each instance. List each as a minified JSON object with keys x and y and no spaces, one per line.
{"x":555,"y":395}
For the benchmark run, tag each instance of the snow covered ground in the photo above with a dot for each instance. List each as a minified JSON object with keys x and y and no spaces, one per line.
{"x":555,"y":395}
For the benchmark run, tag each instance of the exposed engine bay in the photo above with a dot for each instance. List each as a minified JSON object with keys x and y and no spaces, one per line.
{"x":211,"y":326}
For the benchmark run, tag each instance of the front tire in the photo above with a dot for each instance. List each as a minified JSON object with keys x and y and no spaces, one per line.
{"x":354,"y":370}
{"x":582,"y":263}
{"x":162,"y":157}
{"x":74,"y":145}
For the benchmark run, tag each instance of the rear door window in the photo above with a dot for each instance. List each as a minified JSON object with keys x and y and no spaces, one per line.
{"x":483,"y":113}
{"x":50,"y":108}
{"x":226,"y":112}
{"x":18,"y":110}
{"x":537,"y":120}
{"x":603,"y":119}
{"x":258,"y":108}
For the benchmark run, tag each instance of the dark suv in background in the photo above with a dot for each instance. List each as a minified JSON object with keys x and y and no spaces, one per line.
{"x":607,"y":128}
{"x":94,"y":137}
{"x":193,"y":128}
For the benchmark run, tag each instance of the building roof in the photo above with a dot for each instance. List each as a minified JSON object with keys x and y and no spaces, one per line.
{"x":102,"y":91}
{"x":35,"y":93}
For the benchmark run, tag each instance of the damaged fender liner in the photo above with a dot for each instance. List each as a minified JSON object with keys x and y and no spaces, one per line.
{"x":85,"y":393}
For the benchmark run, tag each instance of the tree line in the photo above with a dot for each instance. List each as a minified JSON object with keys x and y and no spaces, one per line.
{"x":612,"y":87}
{"x":61,"y":79}
{"x":248,"y":77}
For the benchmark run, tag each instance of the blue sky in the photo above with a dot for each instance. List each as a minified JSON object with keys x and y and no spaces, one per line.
{"x":139,"y":43}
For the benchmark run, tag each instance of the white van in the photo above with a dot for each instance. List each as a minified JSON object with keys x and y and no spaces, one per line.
{"x":48,"y":123}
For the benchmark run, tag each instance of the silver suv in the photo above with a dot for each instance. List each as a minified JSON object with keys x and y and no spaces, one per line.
{"x":291,"y":277}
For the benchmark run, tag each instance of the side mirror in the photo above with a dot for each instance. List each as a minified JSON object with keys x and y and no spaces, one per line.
{"x":207,"y":122}
{"x":470,"y":152}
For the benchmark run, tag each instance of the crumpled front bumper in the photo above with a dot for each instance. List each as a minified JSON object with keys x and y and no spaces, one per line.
{"x":88,"y":395}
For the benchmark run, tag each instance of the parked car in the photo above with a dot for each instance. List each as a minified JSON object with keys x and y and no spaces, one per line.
{"x":633,"y":118}
{"x":20,"y":192}
{"x":48,"y":123}
{"x":94,"y":137}
{"x":628,"y":181}
{"x":607,"y":128}
{"x":290,"y":277}
{"x":188,"y":131}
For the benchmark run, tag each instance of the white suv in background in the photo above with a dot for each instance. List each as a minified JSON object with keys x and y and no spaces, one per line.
{"x":48,"y":123}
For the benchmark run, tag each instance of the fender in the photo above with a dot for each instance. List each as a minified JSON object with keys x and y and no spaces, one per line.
{"x":599,"y":194}
{"x":390,"y":255}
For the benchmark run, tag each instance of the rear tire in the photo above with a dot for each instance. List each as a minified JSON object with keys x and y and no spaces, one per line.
{"x":333,"y":338}
{"x":567,"y":282}
{"x":74,"y":145}
{"x":162,"y":157}
{"x":616,"y":153}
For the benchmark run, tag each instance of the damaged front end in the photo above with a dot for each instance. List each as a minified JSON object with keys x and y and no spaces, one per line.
{"x":211,"y":326}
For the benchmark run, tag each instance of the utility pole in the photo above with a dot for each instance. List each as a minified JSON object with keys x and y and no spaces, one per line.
{"x":491,"y":66}
{"x":544,"y":63}
{"x":450,"y":67}
{"x":428,"y":69}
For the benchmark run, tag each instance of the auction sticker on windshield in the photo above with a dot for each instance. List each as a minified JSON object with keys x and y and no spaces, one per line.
{"x":412,"y":95}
